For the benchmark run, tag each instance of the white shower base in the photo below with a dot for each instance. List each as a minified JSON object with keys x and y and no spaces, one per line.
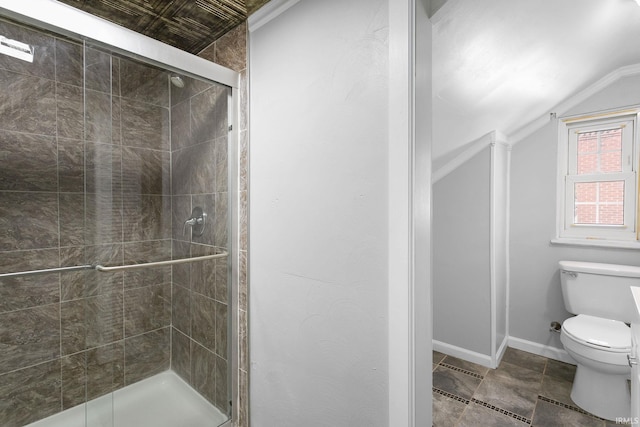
{"x":164,"y":400}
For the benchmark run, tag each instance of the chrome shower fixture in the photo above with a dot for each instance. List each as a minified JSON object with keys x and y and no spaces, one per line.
{"x":16,"y":49}
{"x":177,"y":81}
{"x":197,"y":222}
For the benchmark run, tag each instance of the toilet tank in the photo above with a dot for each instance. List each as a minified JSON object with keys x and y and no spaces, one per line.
{"x":600,"y":290}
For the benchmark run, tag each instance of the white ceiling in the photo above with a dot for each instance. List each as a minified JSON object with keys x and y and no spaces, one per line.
{"x":500,"y":64}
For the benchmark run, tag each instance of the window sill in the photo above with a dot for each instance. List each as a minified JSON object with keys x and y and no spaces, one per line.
{"x":597,"y":243}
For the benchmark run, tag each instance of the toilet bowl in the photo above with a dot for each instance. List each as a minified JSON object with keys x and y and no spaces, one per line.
{"x":600,"y":348}
{"x":598,"y":337}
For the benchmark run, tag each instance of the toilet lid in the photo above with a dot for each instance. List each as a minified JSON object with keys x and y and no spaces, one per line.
{"x":599,"y":332}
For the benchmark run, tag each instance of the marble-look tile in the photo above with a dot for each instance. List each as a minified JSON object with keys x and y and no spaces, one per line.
{"x":98,"y":121}
{"x":222,"y":325}
{"x":145,"y":125}
{"x":455,"y":382}
{"x":105,"y":369}
{"x":243,"y":341}
{"x":29,"y":336}
{"x":146,"y":217}
{"x":512,"y":388}
{"x":181,"y":273}
{"x":243,"y":399}
{"x":222,"y":288}
{"x":192,"y":86}
{"x":181,"y":309}
{"x":203,"y":320}
{"x":70,"y":165}
{"x":144,"y":83}
{"x":477,"y":415}
{"x":548,"y":414}
{"x":97,"y":69}
{"x":69,"y":111}
{"x":152,"y":276}
{"x":446,"y":411}
{"x":438,"y":357}
{"x":28,"y":220}
{"x":30,"y":394}
{"x":244,"y":101}
{"x":29,"y":162}
{"x":146,"y":309}
{"x":524,"y":359}
{"x":69,"y":62}
{"x":24,"y":99}
{"x":221,"y":232}
{"x":116,"y":73}
{"x":243,"y":220}
{"x":24,"y":292}
{"x":180,"y":212}
{"x":208,"y":204}
{"x":181,"y":354}
{"x":82,"y":284}
{"x":557,"y":389}
{"x":103,"y":168}
{"x":71,"y":219}
{"x":91,"y":322}
{"x":203,"y":273}
{"x":230,"y":49}
{"x":145,"y":171}
{"x":560,"y":370}
{"x":222,"y":394}
{"x":467,"y":366}
{"x":243,"y":301}
{"x":181,"y":170}
{"x":203,"y":371}
{"x":149,"y":251}
{"x":202,"y":168}
{"x":209,"y":114}
{"x":181,"y":126}
{"x":220,"y":152}
{"x":146,"y":355}
{"x":103,"y":218}
{"x":43,"y":64}
{"x":74,"y":379}
{"x":244,"y":160}
{"x":116,"y":120}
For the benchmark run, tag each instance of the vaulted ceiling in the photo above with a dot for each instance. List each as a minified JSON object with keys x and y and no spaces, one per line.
{"x":501,"y":64}
{"x":190,"y":25}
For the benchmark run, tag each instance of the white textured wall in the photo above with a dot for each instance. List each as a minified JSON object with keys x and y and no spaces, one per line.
{"x":535,"y":294}
{"x":461,"y":257}
{"x":318,"y":216}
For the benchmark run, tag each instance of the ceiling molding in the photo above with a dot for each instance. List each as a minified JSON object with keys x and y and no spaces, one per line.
{"x":268,"y":12}
{"x":574,"y":100}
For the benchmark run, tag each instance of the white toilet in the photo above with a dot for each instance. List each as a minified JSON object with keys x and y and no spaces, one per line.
{"x":598,"y":338}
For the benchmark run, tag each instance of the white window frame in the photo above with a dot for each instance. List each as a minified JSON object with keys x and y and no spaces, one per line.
{"x":607,"y":235}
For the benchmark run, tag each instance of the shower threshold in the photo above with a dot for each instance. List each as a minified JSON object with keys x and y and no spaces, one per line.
{"x":164,"y":400}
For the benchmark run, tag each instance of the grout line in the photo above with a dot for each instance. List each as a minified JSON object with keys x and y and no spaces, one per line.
{"x":570,"y":407}
{"x":502,"y":411}
{"x":464,"y":371}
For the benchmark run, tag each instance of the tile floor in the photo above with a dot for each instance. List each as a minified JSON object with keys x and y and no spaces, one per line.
{"x":525,"y":390}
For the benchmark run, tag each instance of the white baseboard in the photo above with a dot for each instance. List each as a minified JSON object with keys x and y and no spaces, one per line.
{"x":541,"y":350}
{"x":517,"y":343}
{"x":462,"y":353}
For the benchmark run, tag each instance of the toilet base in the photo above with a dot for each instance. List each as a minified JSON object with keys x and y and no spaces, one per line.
{"x":605,"y":395}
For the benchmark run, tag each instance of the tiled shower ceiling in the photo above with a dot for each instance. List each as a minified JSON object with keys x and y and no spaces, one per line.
{"x":190,"y":25}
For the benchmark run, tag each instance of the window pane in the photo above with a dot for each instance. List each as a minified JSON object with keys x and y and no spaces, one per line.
{"x":599,"y":203}
{"x":600,"y":151}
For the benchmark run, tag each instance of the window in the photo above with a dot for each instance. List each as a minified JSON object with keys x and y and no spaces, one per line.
{"x":597,"y":167}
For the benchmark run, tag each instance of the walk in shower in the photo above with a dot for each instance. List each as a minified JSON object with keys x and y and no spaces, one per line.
{"x":117,"y":184}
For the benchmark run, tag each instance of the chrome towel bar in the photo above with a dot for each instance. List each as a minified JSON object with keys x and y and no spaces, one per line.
{"x":104,"y":269}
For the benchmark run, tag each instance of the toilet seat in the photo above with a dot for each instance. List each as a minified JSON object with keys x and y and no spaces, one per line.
{"x":598,"y":333}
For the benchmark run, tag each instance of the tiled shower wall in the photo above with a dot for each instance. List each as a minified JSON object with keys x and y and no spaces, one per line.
{"x":231,"y":51}
{"x":79,"y":188}
{"x":199,"y":161}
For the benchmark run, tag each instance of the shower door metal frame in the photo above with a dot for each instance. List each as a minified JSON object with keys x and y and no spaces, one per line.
{"x":66,"y":20}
